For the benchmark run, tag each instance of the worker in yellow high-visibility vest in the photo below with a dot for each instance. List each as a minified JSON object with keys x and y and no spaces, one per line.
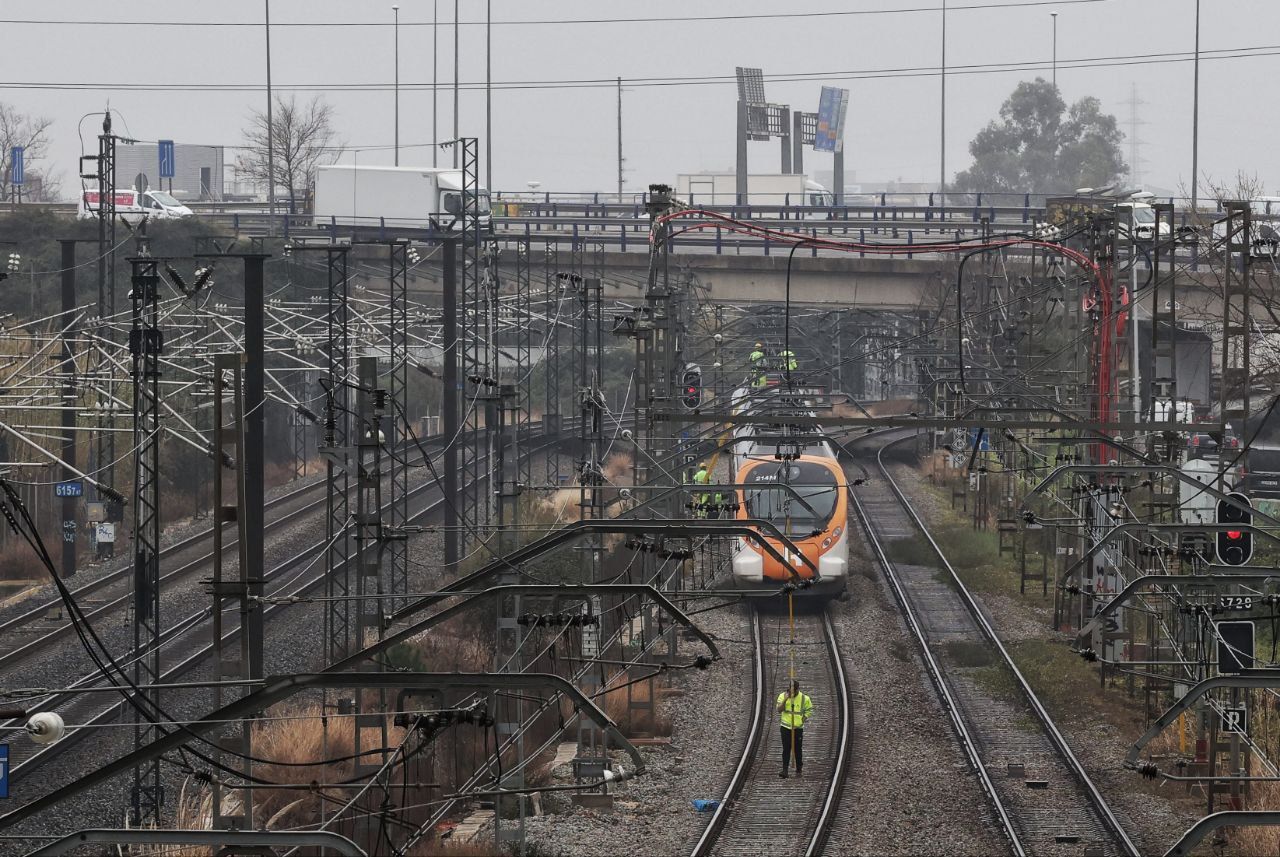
{"x":757,"y":359}
{"x":787,"y":361}
{"x":701,"y":476}
{"x":795,"y":707}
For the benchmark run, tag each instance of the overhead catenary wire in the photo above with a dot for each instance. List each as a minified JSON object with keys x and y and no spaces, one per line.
{"x":1009,"y":4}
{"x":904,"y":72}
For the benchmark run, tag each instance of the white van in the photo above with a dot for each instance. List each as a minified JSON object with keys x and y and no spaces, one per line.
{"x":133,"y":206}
{"x":1144,"y":217}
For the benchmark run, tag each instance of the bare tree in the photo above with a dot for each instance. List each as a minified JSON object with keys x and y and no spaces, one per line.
{"x":302,"y":138}
{"x":31,"y":133}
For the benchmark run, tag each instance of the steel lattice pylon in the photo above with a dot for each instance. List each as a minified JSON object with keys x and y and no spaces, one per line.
{"x":104,"y":441}
{"x":146,"y":344}
{"x":336,"y":437}
{"x":394,"y":554}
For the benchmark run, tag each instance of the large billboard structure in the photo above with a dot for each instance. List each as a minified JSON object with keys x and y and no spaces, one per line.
{"x":824,"y":131}
{"x":758,"y":120}
{"x":832,"y":107}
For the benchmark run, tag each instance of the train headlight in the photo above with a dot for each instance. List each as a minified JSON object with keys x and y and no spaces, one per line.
{"x":826,"y":543}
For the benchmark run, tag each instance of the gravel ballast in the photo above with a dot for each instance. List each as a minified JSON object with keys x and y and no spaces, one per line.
{"x":910,"y":789}
{"x":1099,"y":729}
{"x":654,"y":813}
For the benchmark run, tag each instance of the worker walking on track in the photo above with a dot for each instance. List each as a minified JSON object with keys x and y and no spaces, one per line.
{"x":795,"y":707}
{"x":757,"y":358}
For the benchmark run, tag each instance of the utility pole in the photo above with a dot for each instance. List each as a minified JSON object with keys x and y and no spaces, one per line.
{"x":271,"y":161}
{"x":69,"y":540}
{"x":488,"y":95}
{"x":455,"y":83}
{"x":396,"y":10}
{"x":105,"y":447}
{"x":619,"y":139}
{"x":449,"y":404}
{"x":1054,"y":16}
{"x":1195,"y":119}
{"x":435,"y":81}
{"x":942,"y":125}
{"x":146,"y":341}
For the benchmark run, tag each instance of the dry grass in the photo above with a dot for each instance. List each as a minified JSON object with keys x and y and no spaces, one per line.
{"x":892,"y":407}
{"x":18,"y":562}
{"x":1258,"y":840}
{"x":653,"y":723}
{"x":617,"y":467}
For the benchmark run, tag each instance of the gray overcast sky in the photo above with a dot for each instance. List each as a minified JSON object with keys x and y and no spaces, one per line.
{"x":565,"y":137}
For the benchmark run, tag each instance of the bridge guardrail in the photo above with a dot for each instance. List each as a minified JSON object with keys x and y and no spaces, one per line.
{"x":627,"y":226}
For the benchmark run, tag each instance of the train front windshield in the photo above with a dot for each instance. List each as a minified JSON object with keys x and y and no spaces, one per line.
{"x":807,"y":507}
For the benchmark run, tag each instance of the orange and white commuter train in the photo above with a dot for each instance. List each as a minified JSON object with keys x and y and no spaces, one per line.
{"x":795,"y":482}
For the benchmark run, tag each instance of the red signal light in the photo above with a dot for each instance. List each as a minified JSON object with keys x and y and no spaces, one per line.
{"x":1234,"y":535}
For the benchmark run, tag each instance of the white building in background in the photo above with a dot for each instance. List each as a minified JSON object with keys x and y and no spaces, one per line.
{"x":197,"y":171}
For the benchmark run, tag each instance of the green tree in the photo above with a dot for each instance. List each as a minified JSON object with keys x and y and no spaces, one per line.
{"x":1038,"y":145}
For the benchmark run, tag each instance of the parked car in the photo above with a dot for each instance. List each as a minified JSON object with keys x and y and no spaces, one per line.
{"x":1210,"y":444}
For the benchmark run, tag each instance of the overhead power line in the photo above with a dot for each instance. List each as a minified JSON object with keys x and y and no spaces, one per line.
{"x":527,"y":22}
{"x":702,"y":80}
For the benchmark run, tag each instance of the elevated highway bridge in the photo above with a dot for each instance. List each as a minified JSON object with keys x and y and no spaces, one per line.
{"x":734,"y":269}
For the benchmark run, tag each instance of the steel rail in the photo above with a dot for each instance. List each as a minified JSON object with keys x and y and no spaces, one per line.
{"x":1096,"y":800}
{"x":720,"y":816}
{"x":822,"y":830}
{"x":809,"y":831}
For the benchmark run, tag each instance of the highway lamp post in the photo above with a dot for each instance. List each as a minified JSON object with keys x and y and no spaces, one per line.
{"x":1195,"y":119}
{"x":1054,"y":16}
{"x":488,"y":95}
{"x":435,"y":81}
{"x":942,"y":124}
{"x":271,"y":162}
{"x":456,"y":135}
{"x":396,"y":10}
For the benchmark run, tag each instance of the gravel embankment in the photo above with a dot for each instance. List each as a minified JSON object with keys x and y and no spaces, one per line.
{"x":654,"y":814}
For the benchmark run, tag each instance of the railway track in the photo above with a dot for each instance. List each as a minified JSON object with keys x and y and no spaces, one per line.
{"x":1041,"y":795}
{"x":185,"y":645}
{"x":38,"y":626}
{"x":761,"y":813}
{"x":45,"y":623}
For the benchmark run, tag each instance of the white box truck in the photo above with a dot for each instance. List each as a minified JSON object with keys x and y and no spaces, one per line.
{"x":721,"y":189}
{"x":397,"y":197}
